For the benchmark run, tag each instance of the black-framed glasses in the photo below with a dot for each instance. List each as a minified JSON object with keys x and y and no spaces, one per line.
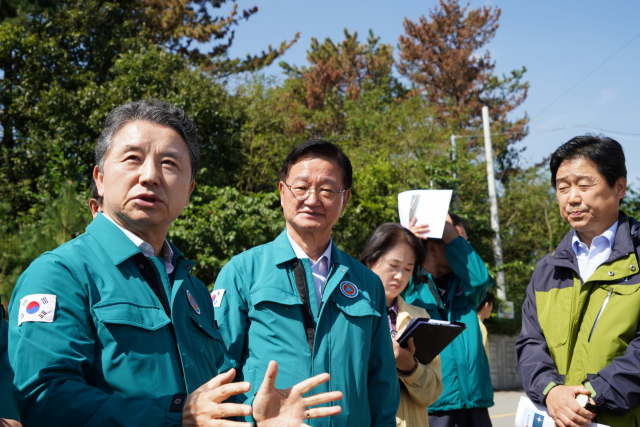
{"x":301,"y":191}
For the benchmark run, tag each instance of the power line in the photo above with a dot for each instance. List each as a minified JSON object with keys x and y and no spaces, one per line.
{"x":625,"y":134}
{"x":585,"y":77}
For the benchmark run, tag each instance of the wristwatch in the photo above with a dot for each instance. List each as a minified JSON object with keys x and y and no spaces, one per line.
{"x":583,"y":400}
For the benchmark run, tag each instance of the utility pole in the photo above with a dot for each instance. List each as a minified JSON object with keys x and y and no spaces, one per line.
{"x":454,"y":159}
{"x":493,"y":198}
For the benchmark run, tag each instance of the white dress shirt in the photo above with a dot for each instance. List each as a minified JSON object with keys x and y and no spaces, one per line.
{"x":320,"y":268}
{"x":146,"y":248}
{"x":589,"y":259}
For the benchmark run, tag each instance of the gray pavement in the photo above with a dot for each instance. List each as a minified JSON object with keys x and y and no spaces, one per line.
{"x":503,"y":413}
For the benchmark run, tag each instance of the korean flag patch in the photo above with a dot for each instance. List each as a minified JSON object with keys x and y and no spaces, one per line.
{"x":37,"y":308}
{"x":216,"y":297}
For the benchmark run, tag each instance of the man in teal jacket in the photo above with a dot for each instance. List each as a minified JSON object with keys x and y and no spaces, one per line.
{"x":306,"y":304}
{"x":457,"y":283}
{"x":111,"y":328}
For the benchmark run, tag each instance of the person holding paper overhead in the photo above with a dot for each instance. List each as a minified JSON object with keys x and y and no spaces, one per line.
{"x":395,"y":254}
{"x":304,"y":303}
{"x":580,"y":333}
{"x":456,"y":282}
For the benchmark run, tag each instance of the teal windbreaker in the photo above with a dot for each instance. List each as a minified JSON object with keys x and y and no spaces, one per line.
{"x":109,"y":357}
{"x":260,"y":319}
{"x":7,"y":407}
{"x":465,"y":369}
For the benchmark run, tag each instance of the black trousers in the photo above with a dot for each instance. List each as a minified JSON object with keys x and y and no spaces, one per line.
{"x":475,"y":417}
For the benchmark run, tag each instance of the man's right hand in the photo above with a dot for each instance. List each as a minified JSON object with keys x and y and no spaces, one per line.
{"x":418,"y":230}
{"x":563,"y":408}
{"x":205,"y":404}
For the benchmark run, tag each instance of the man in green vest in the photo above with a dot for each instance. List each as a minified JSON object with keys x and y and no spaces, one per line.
{"x":111,"y":329}
{"x":579,"y":349}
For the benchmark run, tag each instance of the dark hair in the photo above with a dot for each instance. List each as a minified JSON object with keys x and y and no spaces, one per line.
{"x":384,"y":238}
{"x":605,"y":153}
{"x":490,"y":297}
{"x":154,"y":111}
{"x":457,"y":221}
{"x":319,"y":148}
{"x":93,"y":192}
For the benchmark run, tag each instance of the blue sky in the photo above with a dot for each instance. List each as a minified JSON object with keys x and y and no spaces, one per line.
{"x":559,"y":42}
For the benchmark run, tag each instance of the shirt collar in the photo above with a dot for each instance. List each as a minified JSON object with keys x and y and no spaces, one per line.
{"x":145,"y":248}
{"x":394,"y":306}
{"x":301,"y":254}
{"x":609,"y":234}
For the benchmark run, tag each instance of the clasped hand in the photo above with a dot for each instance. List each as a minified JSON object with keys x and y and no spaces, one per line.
{"x":271,"y":407}
{"x":563,"y":408}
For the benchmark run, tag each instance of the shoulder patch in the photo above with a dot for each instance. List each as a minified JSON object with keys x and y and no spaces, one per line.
{"x":37,"y":308}
{"x":349,"y":289}
{"x":216,"y":297}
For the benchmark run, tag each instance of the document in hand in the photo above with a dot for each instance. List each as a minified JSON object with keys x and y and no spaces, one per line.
{"x":530,"y":414}
{"x":429,"y":206}
{"x":430,"y":336}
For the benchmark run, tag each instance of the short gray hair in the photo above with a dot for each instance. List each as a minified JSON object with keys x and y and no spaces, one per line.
{"x":154,"y":111}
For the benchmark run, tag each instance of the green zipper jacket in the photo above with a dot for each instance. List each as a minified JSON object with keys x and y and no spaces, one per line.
{"x":7,"y":407}
{"x":465,"y":369}
{"x":109,"y":357}
{"x":575,"y":332}
{"x":261,"y":319}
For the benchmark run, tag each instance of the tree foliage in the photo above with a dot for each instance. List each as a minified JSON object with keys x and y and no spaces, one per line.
{"x":67,"y":64}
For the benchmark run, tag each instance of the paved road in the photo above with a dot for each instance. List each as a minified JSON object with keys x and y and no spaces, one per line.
{"x":503,"y":413}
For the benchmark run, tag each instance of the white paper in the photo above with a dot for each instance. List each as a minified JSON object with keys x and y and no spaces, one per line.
{"x":429,"y":206}
{"x":530,"y":414}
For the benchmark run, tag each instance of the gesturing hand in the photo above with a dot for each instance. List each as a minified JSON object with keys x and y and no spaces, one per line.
{"x":205,"y":404}
{"x":404,"y":356}
{"x":287,"y":408}
{"x":418,"y":230}
{"x":563,"y":408}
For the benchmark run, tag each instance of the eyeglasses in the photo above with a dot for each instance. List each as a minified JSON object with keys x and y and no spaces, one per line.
{"x":302,"y":192}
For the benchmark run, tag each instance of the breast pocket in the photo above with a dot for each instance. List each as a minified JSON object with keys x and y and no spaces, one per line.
{"x":134,"y":338}
{"x":274,"y":302}
{"x":554,"y":315}
{"x":355,"y":325}
{"x":614,"y":320}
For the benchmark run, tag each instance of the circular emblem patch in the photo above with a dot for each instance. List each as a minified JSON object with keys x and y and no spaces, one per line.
{"x":193,"y":303}
{"x":348,"y":289}
{"x":458,"y":291}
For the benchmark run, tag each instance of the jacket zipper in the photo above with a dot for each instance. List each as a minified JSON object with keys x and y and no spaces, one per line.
{"x":604,"y":304}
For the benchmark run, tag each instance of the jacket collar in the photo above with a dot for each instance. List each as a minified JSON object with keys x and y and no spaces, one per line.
{"x":564,"y":256}
{"x":115,"y":243}
{"x":284,"y":251}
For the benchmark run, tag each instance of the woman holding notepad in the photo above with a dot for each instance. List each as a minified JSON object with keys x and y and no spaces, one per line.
{"x":396,"y":255}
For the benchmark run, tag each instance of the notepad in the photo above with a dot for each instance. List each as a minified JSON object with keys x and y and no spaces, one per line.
{"x":430,"y":337}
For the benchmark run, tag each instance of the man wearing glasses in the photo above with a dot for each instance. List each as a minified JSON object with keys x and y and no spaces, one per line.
{"x":304,"y":303}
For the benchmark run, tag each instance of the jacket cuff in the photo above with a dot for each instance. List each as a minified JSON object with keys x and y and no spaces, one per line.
{"x":599,"y":387}
{"x":416,"y":374}
{"x":548,"y":388}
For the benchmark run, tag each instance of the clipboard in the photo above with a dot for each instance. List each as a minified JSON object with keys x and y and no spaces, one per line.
{"x":430,"y":337}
